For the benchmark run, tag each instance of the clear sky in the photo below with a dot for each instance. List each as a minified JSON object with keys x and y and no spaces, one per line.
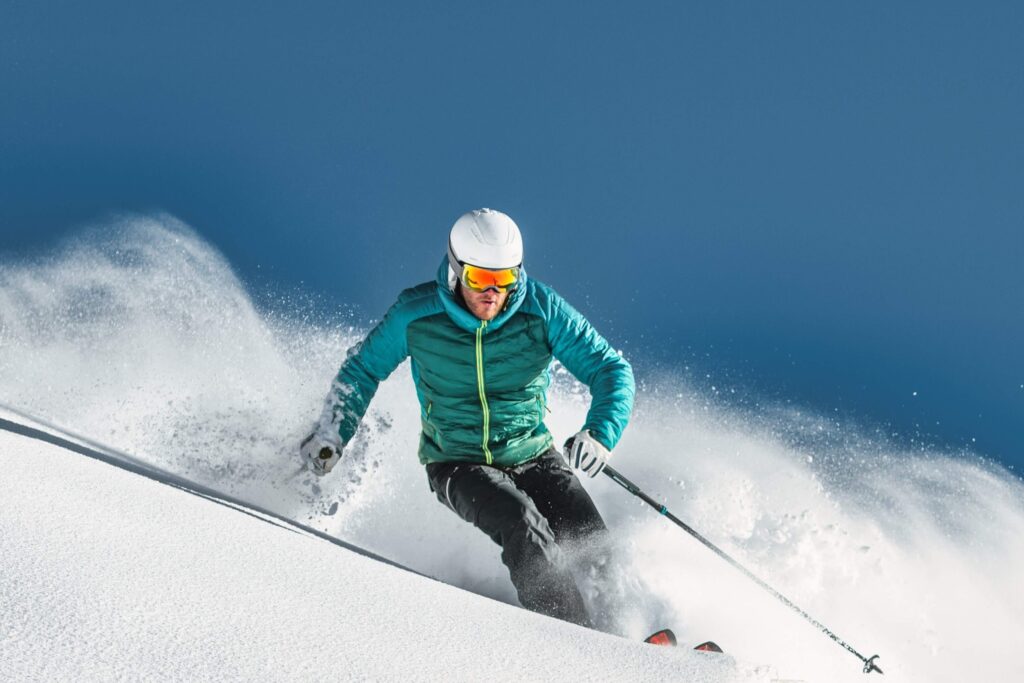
{"x":822,"y":202}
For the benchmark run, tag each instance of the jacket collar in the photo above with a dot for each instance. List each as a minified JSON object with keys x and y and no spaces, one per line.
{"x":460,"y":315}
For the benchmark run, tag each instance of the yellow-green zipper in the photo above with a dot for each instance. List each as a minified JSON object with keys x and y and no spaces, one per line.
{"x":480,"y":386}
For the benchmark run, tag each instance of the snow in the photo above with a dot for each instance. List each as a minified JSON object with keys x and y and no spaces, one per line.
{"x":140,"y":337}
{"x":110,"y":575}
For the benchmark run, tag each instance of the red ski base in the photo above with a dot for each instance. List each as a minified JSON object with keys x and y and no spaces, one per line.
{"x":662,"y":637}
{"x":666,"y":638}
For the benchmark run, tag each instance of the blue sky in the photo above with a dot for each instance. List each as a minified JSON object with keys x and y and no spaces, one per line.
{"x":821,"y":202}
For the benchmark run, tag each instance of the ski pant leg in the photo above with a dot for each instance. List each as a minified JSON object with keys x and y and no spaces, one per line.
{"x":488,"y":498}
{"x":610,"y":593}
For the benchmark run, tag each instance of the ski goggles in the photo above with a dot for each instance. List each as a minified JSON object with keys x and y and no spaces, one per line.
{"x":481,"y":279}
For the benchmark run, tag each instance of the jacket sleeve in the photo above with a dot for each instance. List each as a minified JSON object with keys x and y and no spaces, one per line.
{"x":592,"y":360}
{"x":366,"y":365}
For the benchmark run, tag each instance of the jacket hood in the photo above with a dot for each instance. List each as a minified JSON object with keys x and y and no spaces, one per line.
{"x":460,"y":315}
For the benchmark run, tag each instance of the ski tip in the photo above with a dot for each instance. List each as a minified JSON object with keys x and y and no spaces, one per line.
{"x":663,"y":637}
{"x":708,"y":647}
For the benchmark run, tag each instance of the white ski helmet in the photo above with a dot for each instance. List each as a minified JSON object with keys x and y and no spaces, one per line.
{"x":485,"y":238}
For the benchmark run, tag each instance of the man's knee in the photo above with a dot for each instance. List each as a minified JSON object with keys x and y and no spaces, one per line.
{"x":561,"y":498}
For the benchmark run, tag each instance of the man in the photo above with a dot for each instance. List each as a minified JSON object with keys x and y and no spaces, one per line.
{"x":481,"y":338}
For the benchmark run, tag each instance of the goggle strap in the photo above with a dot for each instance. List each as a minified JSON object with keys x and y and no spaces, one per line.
{"x":456,"y":265}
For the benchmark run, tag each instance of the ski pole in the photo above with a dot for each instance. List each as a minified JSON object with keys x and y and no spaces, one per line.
{"x":869,"y":662}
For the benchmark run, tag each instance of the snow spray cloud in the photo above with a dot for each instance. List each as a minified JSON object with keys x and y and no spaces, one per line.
{"x":139,"y":335}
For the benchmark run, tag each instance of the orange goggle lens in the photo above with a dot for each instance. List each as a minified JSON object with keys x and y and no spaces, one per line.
{"x":482,"y":279}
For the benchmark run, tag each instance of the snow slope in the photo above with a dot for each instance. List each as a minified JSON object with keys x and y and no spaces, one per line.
{"x":139,"y":335}
{"x":107,"y":574}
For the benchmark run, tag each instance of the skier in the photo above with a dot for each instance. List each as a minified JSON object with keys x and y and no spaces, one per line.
{"x":481,"y":338}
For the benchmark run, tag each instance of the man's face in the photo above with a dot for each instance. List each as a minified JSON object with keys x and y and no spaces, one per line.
{"x":484,"y":305}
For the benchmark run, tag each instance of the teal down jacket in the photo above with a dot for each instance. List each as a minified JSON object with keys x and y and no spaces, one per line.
{"x":482,"y":385}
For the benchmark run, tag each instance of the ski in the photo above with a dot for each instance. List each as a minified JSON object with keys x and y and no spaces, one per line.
{"x":708,"y":647}
{"x":663,"y":637}
{"x":666,"y":637}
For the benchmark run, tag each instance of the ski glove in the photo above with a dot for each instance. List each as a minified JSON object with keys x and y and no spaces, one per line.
{"x":322,"y":454}
{"x":586,"y":453}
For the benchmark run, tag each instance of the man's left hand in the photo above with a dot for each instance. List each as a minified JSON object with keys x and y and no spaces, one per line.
{"x":586,"y":453}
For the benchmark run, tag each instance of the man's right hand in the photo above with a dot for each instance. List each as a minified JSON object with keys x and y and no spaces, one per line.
{"x":321,"y":454}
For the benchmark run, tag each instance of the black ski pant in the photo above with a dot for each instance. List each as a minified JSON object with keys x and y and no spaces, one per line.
{"x":533,"y":511}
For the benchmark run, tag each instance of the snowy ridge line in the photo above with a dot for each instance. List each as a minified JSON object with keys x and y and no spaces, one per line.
{"x":68,"y":440}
